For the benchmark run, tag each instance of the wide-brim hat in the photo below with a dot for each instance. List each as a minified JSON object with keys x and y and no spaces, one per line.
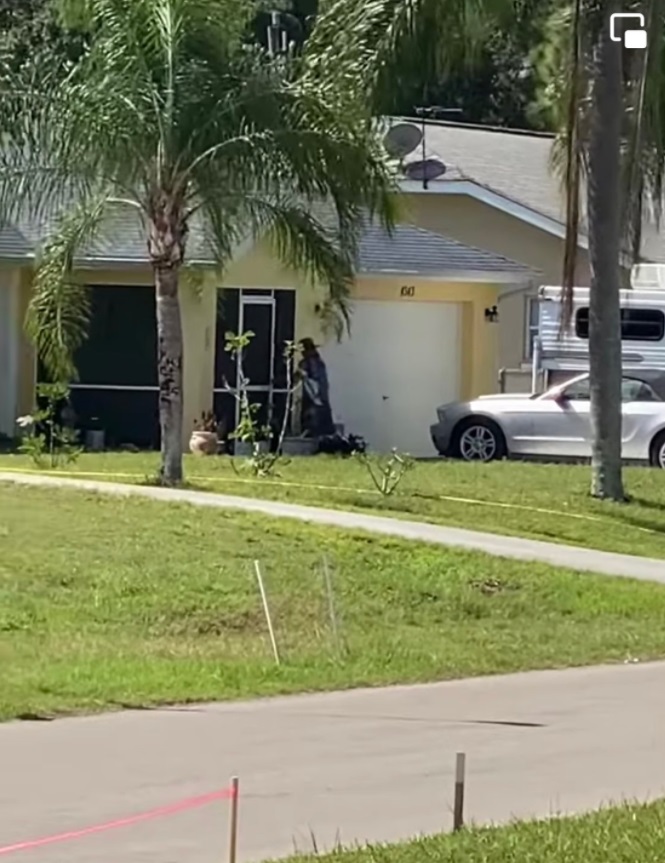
{"x":308,"y":344}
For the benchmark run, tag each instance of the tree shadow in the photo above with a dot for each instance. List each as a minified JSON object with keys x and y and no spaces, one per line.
{"x":645,"y":503}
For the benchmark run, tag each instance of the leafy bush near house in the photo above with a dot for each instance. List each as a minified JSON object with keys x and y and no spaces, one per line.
{"x":45,"y":437}
{"x":264,"y":441}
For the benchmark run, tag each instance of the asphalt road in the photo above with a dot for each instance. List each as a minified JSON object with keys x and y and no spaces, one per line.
{"x":355,"y":766}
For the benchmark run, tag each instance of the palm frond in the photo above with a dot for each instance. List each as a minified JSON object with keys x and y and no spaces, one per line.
{"x":276,"y":147}
{"x":572,"y":167}
{"x":58,"y":314}
{"x":384,"y":42}
{"x":170,"y":101}
{"x":644,"y":156}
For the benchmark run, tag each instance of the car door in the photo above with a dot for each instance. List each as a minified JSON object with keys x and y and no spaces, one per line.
{"x":642,"y":410}
{"x":561,"y":422}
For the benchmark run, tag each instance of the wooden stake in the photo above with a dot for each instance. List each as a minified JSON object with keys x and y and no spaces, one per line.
{"x":458,"y":810}
{"x":331,"y":605}
{"x":266,"y":610}
{"x":233,"y":821}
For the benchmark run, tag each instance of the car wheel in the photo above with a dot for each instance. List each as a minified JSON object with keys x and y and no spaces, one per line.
{"x":658,"y":451}
{"x":479,"y":439}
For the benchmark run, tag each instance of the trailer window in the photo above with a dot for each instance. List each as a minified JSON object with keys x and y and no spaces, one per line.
{"x":637,"y":325}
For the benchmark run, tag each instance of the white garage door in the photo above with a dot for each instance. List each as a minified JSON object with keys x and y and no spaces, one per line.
{"x":388,"y":378}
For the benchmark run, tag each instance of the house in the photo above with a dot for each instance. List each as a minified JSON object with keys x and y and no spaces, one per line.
{"x":438,"y":308}
{"x":422,"y":332}
{"x":500,"y":192}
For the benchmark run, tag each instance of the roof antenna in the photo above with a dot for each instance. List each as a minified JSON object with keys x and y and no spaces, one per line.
{"x":278,"y":38}
{"x":429,"y":113}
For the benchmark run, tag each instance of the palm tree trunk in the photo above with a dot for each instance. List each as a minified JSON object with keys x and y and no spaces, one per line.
{"x":166,"y":246}
{"x":169,"y":373}
{"x":604,"y":205}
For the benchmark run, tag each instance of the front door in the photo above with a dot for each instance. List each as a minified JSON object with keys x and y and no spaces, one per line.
{"x":269,"y":315}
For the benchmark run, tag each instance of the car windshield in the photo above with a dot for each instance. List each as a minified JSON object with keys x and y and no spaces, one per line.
{"x":578,"y":390}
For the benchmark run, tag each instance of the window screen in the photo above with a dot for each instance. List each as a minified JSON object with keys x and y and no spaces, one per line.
{"x":637,"y":324}
{"x":121,"y":348}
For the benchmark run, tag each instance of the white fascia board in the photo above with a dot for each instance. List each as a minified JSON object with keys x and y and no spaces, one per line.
{"x":480,"y":276}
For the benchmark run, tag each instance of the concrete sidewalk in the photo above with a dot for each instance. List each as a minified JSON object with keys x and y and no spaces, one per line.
{"x":588,"y":560}
{"x":361,"y":765}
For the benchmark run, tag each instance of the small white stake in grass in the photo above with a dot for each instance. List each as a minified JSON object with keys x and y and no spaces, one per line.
{"x":233,"y":821}
{"x":331,"y":605}
{"x":266,"y":609}
{"x":458,"y":810}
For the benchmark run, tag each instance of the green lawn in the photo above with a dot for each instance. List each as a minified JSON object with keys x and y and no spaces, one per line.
{"x":626,"y":834}
{"x":548,"y":502}
{"x":110,"y":601}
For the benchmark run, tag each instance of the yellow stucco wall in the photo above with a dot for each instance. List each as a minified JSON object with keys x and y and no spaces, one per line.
{"x":27,"y":365}
{"x":260,"y":268}
{"x":476,"y":224}
{"x":478,"y":363}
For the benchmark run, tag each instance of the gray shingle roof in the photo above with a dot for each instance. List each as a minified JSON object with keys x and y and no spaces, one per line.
{"x":516,"y":165}
{"x":408,"y":250}
{"x":13,"y":245}
{"x":414,"y":251}
{"x":513,"y":164}
{"x":121,"y":240}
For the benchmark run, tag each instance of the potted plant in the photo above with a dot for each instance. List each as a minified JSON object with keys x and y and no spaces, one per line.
{"x":250,"y":437}
{"x":95,"y":437}
{"x":204,"y":436}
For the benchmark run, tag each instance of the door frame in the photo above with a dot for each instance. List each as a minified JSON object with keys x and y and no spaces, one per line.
{"x":249,"y":299}
{"x":258,"y":296}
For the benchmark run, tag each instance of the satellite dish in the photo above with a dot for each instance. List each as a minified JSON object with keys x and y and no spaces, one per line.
{"x":402,"y":139}
{"x":425,"y":170}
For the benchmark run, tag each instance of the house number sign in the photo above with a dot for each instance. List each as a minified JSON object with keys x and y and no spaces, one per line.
{"x":407,"y":291}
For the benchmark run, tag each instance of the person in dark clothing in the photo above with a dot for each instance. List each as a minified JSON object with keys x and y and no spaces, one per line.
{"x":317,"y":413}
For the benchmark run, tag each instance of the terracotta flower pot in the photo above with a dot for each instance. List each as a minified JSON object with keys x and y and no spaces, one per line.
{"x":203,"y":443}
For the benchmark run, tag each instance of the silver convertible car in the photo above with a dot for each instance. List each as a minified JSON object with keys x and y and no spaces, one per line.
{"x":555,"y":425}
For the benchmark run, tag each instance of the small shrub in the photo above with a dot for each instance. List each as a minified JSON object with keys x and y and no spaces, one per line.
{"x":263,"y":459}
{"x":387,"y":472}
{"x":44,"y":438}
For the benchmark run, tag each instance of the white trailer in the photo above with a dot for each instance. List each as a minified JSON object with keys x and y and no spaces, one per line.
{"x":560,"y":354}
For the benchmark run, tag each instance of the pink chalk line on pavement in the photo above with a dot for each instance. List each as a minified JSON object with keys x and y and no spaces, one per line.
{"x":160,"y":812}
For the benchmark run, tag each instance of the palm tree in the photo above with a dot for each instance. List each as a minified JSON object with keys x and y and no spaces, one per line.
{"x":175,"y":114}
{"x":390,"y":44}
{"x":603,"y":207}
{"x":614,"y":139}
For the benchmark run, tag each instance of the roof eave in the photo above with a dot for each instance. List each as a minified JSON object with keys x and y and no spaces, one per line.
{"x":481,"y":193}
{"x":511,"y":277}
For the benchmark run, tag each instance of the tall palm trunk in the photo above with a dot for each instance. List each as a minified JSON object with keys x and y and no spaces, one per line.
{"x":168,"y":233}
{"x":604,"y":204}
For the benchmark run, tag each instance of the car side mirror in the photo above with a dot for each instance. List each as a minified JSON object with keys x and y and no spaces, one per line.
{"x":561,"y":399}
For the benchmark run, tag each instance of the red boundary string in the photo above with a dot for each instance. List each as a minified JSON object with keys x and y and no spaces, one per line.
{"x":160,"y":812}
